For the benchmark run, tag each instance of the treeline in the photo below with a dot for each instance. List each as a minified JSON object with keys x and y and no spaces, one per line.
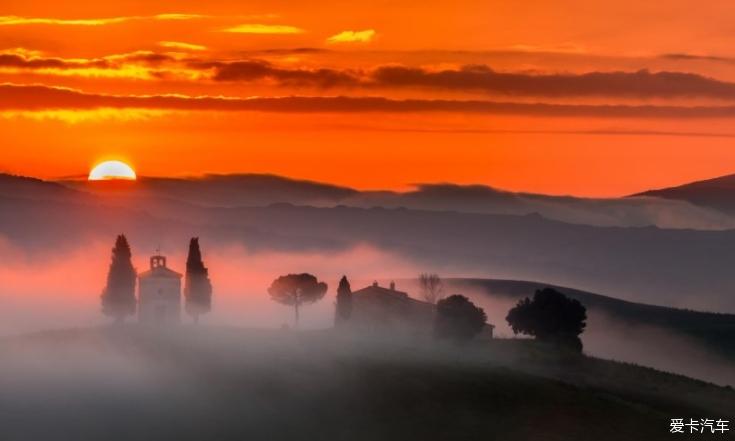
{"x":549,"y":316}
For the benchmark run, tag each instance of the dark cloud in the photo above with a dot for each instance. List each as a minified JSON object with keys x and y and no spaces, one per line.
{"x":111,"y":62}
{"x":611,"y":132}
{"x":20,"y":62}
{"x":151,"y":58}
{"x":289,"y":51}
{"x":255,"y":70}
{"x":640,"y":84}
{"x":16,"y":97}
{"x":693,"y":57}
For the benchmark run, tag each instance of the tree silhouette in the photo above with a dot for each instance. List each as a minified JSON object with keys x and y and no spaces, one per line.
{"x":198,"y":287}
{"x":344,"y":302}
{"x":118,"y":297}
{"x":551,"y":317}
{"x":297,"y":289}
{"x":431,"y":286}
{"x":458,"y":319}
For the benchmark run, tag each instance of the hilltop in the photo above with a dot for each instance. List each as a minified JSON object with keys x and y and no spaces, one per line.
{"x":676,"y":267}
{"x":214,"y":383}
{"x":715,"y":332}
{"x":717,"y":193}
{"x":238,"y":190}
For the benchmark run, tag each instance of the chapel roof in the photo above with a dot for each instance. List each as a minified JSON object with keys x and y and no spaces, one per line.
{"x":158,"y":268}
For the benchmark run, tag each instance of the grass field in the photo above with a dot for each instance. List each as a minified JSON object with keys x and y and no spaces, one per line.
{"x":220,"y":384}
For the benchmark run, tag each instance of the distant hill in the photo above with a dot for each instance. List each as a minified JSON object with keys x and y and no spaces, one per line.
{"x":261,"y":190}
{"x":232,"y":384}
{"x":718,"y":193}
{"x":716,"y":332}
{"x":222,"y":190}
{"x":660,"y":266}
{"x":37,"y":189}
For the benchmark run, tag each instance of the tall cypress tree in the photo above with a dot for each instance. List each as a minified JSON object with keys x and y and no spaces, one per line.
{"x":197,"y":288}
{"x":344,"y":302}
{"x":118,"y":297}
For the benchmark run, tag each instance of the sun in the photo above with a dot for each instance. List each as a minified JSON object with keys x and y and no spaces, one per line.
{"x":112,"y":170}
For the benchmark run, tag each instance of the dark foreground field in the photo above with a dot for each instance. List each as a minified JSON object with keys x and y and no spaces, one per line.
{"x":220,"y":384}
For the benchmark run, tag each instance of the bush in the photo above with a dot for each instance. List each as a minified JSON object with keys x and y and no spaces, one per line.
{"x":458,"y":319}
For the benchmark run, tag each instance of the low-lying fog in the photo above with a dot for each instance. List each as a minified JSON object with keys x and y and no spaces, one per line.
{"x":62,"y":291}
{"x":207,"y":383}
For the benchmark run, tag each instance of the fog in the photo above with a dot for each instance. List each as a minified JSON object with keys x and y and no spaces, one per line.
{"x":263,"y":190}
{"x":132,"y":383}
{"x":622,"y":212}
{"x":655,"y":347}
{"x":675,"y":267}
{"x":617,"y":339}
{"x":61,"y":291}
{"x":241,"y":374}
{"x":56,"y":291}
{"x":641,"y":344}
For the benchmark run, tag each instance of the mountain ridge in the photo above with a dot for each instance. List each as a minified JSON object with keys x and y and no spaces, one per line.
{"x":717,"y":193}
{"x":715,"y":329}
{"x":265,"y":189}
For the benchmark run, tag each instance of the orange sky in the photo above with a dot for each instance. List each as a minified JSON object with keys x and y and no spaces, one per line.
{"x":564,"y":97}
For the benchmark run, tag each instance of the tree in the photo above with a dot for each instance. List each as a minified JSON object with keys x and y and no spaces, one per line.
{"x":550,"y":317}
{"x":296,"y":290}
{"x":432,"y":287}
{"x":118,"y":297}
{"x":458,"y":319}
{"x":344,"y":302}
{"x":198,"y":287}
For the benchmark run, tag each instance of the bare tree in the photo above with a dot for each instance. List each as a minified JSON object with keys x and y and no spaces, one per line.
{"x":432,"y":287}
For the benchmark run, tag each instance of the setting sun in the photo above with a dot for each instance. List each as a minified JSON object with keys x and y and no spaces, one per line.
{"x":111,"y":170}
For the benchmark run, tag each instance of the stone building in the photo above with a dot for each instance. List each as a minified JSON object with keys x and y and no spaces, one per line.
{"x":159,"y":294}
{"x":381,"y":309}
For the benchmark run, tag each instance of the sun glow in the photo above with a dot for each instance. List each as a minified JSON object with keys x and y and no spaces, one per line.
{"x":112,"y":170}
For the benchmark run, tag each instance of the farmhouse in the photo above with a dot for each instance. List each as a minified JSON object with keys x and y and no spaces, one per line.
{"x":388,"y":309}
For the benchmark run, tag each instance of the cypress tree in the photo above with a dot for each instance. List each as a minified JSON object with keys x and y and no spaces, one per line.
{"x":118,"y":297}
{"x":198,"y":287}
{"x":344,"y":302}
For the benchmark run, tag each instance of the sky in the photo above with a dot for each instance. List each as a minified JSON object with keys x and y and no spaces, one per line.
{"x":588,"y":98}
